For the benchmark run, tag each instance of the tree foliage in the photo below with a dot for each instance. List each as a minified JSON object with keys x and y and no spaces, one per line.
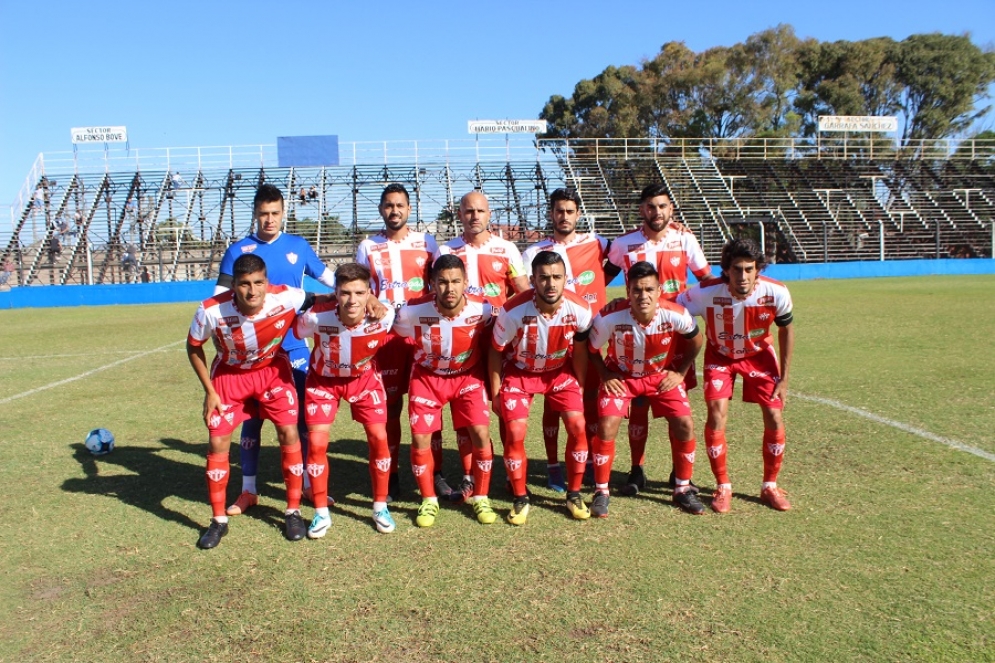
{"x":776,"y":84}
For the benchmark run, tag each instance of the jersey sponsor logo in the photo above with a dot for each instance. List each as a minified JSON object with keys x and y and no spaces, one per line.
{"x":758,"y":333}
{"x":766,"y":300}
{"x":732,"y":336}
{"x":277,"y":311}
{"x":585,"y":278}
{"x":474,"y":319}
{"x":361,"y":396}
{"x":389,"y":372}
{"x":292,"y":258}
{"x":417,"y":284}
{"x":393,"y":285}
{"x":328,"y":329}
{"x":419,"y":245}
{"x":529,"y":319}
{"x":428,"y":321}
{"x":671,"y":286}
{"x":424,"y":401}
{"x":369,"y":329}
{"x":230,"y":320}
{"x":497,"y":251}
{"x":216,"y":475}
{"x":634,"y":247}
{"x":657,"y":359}
{"x":665,"y":327}
{"x":717,"y":367}
{"x":722,"y":301}
{"x":467,"y":389}
{"x":298,"y":364}
{"x":566,"y":384}
{"x":249,"y":248}
{"x":492,"y":290}
{"x":759,"y":374}
{"x":623,"y":328}
{"x":379,"y":247}
{"x":569,"y":319}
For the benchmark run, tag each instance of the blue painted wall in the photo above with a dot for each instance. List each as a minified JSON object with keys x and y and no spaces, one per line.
{"x":196,"y":291}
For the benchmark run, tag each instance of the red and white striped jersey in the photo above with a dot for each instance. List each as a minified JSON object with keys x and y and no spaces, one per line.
{"x":445,"y":346}
{"x":398,"y":269}
{"x":540,"y":344}
{"x":490,"y":269}
{"x":246,"y":342}
{"x":340,"y":350}
{"x":584,"y":259}
{"x":738,"y":328}
{"x":635,"y":349}
{"x":673,"y":255}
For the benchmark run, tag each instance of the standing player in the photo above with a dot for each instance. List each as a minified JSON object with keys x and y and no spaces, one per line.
{"x":674,"y":251}
{"x":446,"y":328}
{"x":288,"y":258}
{"x":342,"y":367}
{"x":494,"y":271}
{"x":640,"y":336}
{"x":738,"y":309}
{"x":250,"y":376}
{"x":541,"y":325}
{"x":585,"y":259}
{"x":399,"y":260}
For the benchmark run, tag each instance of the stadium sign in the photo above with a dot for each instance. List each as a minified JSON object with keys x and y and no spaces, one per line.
{"x":100,"y":134}
{"x":883,"y":123}
{"x":506,"y":126}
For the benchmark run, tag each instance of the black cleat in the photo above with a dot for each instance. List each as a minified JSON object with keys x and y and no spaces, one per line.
{"x":688,"y":501}
{"x":442,"y":489}
{"x":599,"y":505}
{"x":212,"y":537}
{"x":393,"y":487}
{"x":672,"y":481}
{"x":295,"y":527}
{"x":464,"y":493}
{"x":635,"y":482}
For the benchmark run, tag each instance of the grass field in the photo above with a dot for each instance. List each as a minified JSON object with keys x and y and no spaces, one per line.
{"x":888,"y":555}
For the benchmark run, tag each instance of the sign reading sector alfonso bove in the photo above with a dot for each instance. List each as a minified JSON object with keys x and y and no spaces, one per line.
{"x":99,"y":134}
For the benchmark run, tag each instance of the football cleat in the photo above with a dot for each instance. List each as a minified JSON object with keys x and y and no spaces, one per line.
{"x":519,"y":513}
{"x":775,"y":498}
{"x":464,"y":493}
{"x":554,"y":479}
{"x":383,"y":521}
{"x":635,"y":482}
{"x":482,"y":508}
{"x":599,"y":505}
{"x":688,"y":501}
{"x":212,"y":537}
{"x":576,"y":507}
{"x":318,"y":527}
{"x":442,"y":489}
{"x":244,"y":502}
{"x":427,"y":513}
{"x":722,"y":500}
{"x":294,"y":526}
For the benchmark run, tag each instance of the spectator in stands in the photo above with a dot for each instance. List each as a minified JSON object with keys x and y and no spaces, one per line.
{"x":62,"y":226}
{"x":313,"y":193}
{"x":128,"y":262}
{"x":54,"y":248}
{"x":178,"y":181}
{"x":303,"y":196}
{"x":146,"y":277}
{"x":7,"y":272}
{"x":78,"y":219}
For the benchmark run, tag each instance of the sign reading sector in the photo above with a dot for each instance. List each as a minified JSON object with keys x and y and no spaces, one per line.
{"x":100,"y":134}
{"x":506,"y":126}
{"x":858,"y":123}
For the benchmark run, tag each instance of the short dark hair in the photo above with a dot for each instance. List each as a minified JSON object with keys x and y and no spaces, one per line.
{"x":547,"y":258}
{"x":641,"y":270}
{"x":565,"y":194}
{"x":351,"y":271}
{"x":742,"y":247}
{"x":654,"y":190}
{"x":447,"y":261}
{"x":266,"y":193}
{"x":394,"y":187}
{"x":248,"y":264}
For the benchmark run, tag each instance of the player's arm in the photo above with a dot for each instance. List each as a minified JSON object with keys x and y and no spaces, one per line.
{"x":580,"y":358}
{"x":494,"y":361}
{"x":786,"y":348}
{"x":198,"y":360}
{"x":225,"y":282}
{"x":674,"y":377}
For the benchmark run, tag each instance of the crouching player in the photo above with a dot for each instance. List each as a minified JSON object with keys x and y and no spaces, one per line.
{"x":446,"y":329}
{"x":342,"y":367}
{"x":540,"y":325}
{"x":738,"y":309}
{"x":250,"y":377}
{"x":640,"y":335}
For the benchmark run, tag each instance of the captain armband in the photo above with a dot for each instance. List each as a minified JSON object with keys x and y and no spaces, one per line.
{"x":580,"y":337}
{"x":308,"y":301}
{"x":784,"y":320}
{"x":692,"y":333}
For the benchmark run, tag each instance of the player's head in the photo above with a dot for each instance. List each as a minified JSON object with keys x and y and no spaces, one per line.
{"x":249,"y":283}
{"x":474,"y":213}
{"x":549,"y":276}
{"x":352,"y":290}
{"x":643,"y":288}
{"x":564,"y":211}
{"x":267,"y":210}
{"x":395,"y":206}
{"x":742,"y":261}
{"x":656,"y":206}
{"x":448,"y":281}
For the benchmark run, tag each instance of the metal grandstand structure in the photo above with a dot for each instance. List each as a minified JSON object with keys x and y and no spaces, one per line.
{"x":162,"y":215}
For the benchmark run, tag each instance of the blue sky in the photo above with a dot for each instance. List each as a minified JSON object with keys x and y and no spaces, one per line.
{"x":181,"y":73}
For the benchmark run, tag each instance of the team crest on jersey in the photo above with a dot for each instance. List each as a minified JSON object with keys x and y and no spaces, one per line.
{"x":216,"y":475}
{"x":372,"y":344}
{"x":312,"y":409}
{"x":249,"y":248}
{"x":570,"y":319}
{"x":414,"y":420}
{"x":326,"y":409}
{"x":675,"y":261}
{"x":511,"y":404}
{"x":513,"y":464}
{"x":618,"y":403}
{"x":429,"y":418}
{"x":717,"y":384}
{"x":716,"y":451}
{"x":280,"y":324}
{"x":420,"y":261}
{"x":292,"y":258}
{"x":215,"y":421}
{"x":722,"y":301}
{"x":764,"y":316}
{"x":496,"y":265}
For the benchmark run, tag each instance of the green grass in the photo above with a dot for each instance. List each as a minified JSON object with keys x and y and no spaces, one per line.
{"x":887,"y":555}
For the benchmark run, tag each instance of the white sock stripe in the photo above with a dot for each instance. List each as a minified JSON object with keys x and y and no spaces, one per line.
{"x":87,"y":374}
{"x":925,"y":434}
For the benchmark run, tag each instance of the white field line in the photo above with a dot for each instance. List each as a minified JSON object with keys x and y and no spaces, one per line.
{"x":87,"y":374}
{"x":77,"y":354}
{"x":953,"y":444}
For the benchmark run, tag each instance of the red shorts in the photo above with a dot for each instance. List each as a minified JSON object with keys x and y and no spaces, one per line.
{"x":673,"y":403}
{"x":258,"y":393}
{"x":365,"y":394}
{"x":465,"y":393}
{"x":760,"y":373}
{"x":677,"y":350}
{"x":394,"y":361}
{"x":519,"y":387}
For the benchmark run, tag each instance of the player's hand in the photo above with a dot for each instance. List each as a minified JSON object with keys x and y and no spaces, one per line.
{"x":212,"y":404}
{"x":781,"y":393}
{"x":613,"y":385}
{"x":679,"y":227}
{"x":670,"y":380}
{"x":616,"y":302}
{"x":375,"y":308}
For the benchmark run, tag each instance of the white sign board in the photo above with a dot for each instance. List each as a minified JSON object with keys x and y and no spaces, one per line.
{"x":884,"y":123}
{"x":100,"y":134}
{"x":506,"y":126}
